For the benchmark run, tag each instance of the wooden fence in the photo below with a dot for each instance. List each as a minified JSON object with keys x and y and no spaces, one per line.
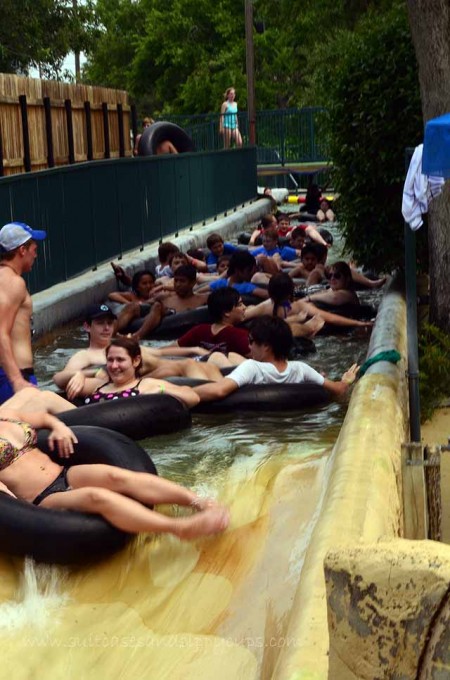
{"x":45,"y":123}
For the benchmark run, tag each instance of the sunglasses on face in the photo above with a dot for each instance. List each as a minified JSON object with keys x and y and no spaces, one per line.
{"x":335,"y":275}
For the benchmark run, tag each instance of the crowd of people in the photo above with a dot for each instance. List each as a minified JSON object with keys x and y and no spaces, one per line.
{"x":255,"y":314}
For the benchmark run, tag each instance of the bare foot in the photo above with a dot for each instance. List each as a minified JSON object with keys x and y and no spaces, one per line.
{"x":202,"y":503}
{"x":204,"y":523}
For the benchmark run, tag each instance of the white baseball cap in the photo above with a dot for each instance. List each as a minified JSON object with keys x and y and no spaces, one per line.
{"x":15,"y":234}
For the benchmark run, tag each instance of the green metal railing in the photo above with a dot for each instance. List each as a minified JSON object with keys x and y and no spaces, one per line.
{"x":283,"y":135}
{"x":94,"y":212}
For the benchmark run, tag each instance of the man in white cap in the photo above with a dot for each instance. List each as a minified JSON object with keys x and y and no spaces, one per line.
{"x":18,"y":251}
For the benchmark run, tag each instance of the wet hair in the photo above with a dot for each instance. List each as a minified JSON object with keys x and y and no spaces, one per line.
{"x":283,"y":216}
{"x":165,"y":249}
{"x":213,"y":239}
{"x":239,"y":260}
{"x":130,"y":346}
{"x":266,"y":222}
{"x":272,"y":331}
{"x":309,"y":249}
{"x":320,"y":250}
{"x":271,"y":233}
{"x":221,"y":301}
{"x":179,"y":254}
{"x":298,"y":231}
{"x":342,"y":268}
{"x":280,"y":288}
{"x":223,"y":258}
{"x":135,"y":281}
{"x":186,"y":271}
{"x":196,"y":253}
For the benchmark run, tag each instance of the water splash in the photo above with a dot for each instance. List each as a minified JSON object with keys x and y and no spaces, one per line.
{"x":40,"y":595}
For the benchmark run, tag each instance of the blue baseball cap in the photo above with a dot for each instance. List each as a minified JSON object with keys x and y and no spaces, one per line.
{"x":15,"y":234}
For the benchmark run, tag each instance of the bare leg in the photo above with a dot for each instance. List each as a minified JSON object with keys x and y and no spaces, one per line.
{"x":33,"y":400}
{"x":126,"y":316}
{"x":151,"y":321}
{"x":308,"y":329}
{"x":237,"y":137}
{"x":131,"y":516}
{"x":226,"y":138}
{"x":121,"y":497}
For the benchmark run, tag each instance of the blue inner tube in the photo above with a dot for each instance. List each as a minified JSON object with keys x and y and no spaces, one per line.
{"x":146,"y":415}
{"x":69,"y":537}
{"x":159,"y":132}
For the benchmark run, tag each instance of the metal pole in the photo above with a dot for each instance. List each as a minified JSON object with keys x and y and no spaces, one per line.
{"x":250,"y":66}
{"x":411,"y":316}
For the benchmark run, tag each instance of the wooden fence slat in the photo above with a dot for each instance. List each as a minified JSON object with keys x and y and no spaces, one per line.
{"x":25,"y":133}
{"x":37,"y":125}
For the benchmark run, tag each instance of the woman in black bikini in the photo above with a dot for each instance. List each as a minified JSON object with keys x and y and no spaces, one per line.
{"x":123,"y":360}
{"x":120,"y":496}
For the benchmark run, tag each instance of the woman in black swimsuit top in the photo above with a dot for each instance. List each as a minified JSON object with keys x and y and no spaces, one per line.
{"x":123,"y":361}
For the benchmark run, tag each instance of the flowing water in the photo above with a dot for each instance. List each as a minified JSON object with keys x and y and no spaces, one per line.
{"x":211,"y":608}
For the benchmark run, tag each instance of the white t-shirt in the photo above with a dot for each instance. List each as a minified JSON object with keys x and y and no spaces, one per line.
{"x":252,"y":372}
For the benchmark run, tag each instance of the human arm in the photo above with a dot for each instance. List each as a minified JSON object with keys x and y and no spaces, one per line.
{"x":198,"y":264}
{"x":120,"y":274}
{"x":80,"y":361}
{"x":216,"y":390}
{"x":254,"y":236}
{"x":176,"y":351}
{"x":80,"y":385}
{"x":181,"y":392}
{"x":261,"y":309}
{"x":339,"y":388}
{"x":122,"y":297}
{"x":60,"y":435}
{"x":333,"y":297}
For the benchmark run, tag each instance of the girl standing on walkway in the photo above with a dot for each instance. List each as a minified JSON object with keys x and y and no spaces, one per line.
{"x":228,"y":124}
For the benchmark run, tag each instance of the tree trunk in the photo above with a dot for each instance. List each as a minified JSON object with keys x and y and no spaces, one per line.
{"x":430,"y":28}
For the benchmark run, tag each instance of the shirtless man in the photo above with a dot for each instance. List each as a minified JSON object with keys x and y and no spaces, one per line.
{"x":18,"y":252}
{"x":99,"y":324}
{"x":182,"y":299}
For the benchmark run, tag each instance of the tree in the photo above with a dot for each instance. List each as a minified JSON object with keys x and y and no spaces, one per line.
{"x":430,"y":30}
{"x":367,"y":78}
{"x":41,"y":33}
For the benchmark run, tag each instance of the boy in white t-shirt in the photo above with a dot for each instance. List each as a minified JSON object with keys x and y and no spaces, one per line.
{"x":270,"y":340}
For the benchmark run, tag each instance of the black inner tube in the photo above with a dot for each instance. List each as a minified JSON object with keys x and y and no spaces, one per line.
{"x":69,"y":537}
{"x":138,"y":417}
{"x":161,"y":131}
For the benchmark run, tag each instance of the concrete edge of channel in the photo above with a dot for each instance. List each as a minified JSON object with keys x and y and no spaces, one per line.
{"x":362,"y":502}
{"x":66,"y":301}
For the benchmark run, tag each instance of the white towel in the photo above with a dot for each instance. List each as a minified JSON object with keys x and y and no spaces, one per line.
{"x":418,"y":191}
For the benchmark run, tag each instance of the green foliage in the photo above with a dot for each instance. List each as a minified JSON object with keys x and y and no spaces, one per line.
{"x":41,"y":33}
{"x":370,"y":87}
{"x":434,"y":365}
